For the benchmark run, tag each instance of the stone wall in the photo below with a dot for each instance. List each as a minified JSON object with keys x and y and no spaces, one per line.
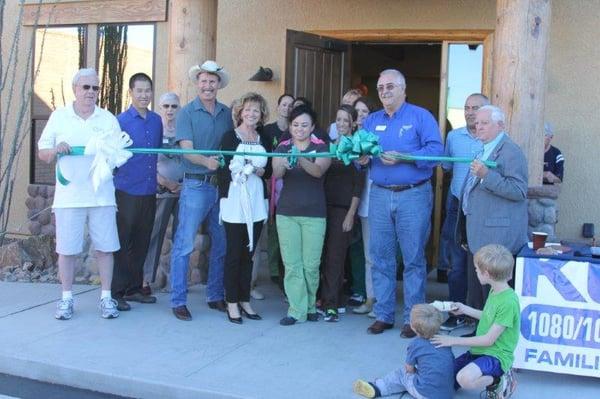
{"x":543,"y":210}
{"x":20,"y":261}
{"x":39,"y":203}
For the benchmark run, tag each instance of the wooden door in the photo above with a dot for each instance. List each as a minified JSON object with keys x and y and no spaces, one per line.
{"x":318,"y":68}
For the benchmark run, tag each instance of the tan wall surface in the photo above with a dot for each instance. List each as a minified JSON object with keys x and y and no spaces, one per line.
{"x":572,"y":106}
{"x":247,"y":38}
{"x":18,"y":210}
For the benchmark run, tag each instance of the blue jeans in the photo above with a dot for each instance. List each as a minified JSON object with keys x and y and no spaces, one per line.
{"x":457,"y":257}
{"x":399,"y":219}
{"x":198,"y":202}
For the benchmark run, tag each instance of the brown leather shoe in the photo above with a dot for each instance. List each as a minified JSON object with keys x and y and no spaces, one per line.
{"x":378,"y":327}
{"x":221,"y":306}
{"x":407,"y":332}
{"x":122,"y":305}
{"x":182,"y":313}
{"x":139,"y":297}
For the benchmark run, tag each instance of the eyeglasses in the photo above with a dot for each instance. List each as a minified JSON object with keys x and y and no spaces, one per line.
{"x":172,"y":106}
{"x":87,"y":87}
{"x":387,"y":87}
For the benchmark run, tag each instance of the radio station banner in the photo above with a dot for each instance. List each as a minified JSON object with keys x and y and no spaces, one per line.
{"x":560,"y":316}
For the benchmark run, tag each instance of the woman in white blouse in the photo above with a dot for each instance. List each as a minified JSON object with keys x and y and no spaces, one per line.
{"x":243,"y":200}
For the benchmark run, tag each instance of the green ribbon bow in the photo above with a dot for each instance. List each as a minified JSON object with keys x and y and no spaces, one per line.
{"x":360,"y":143}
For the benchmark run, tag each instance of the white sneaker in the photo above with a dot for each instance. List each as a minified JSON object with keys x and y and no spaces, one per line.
{"x":256,"y":294}
{"x":64,"y":309}
{"x":371,"y":314}
{"x":108,"y":308}
{"x":363,"y":309}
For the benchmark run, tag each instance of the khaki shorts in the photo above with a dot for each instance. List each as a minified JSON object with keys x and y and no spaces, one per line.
{"x":70,"y":229}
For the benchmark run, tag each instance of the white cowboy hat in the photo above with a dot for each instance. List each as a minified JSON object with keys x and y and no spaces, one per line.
{"x":211,"y":67}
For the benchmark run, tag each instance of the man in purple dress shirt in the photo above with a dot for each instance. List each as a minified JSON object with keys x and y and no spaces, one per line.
{"x":135,"y":184}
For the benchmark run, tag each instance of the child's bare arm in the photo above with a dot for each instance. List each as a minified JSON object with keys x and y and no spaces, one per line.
{"x":410,"y":369}
{"x":461,"y":308}
{"x":482,"y":340}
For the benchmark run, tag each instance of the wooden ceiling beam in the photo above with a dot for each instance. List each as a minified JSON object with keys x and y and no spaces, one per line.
{"x":406,"y":35}
{"x":95,"y":12}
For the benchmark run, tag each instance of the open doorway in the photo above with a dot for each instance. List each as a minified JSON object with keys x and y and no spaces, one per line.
{"x":419,"y":62}
{"x":441,"y":68}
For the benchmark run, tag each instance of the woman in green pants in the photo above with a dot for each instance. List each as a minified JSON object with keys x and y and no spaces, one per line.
{"x":301,"y":215}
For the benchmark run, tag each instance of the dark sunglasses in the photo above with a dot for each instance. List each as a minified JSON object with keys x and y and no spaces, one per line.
{"x":87,"y":87}
{"x":174,"y":106}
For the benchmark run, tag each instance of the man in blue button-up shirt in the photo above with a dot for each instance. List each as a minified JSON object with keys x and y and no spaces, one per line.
{"x":401,"y":199}
{"x":135,"y":184}
{"x":200,"y":125}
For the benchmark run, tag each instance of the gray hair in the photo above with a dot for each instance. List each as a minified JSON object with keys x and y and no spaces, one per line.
{"x":486,"y":100}
{"x":169,"y":96}
{"x":399,"y":77}
{"x":84,"y":72}
{"x":496,"y":114}
{"x":548,"y":129}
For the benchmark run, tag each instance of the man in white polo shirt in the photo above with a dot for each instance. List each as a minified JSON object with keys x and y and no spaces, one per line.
{"x":77,"y":202}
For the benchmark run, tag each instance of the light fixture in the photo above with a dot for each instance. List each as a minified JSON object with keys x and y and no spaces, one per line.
{"x":263,"y":75}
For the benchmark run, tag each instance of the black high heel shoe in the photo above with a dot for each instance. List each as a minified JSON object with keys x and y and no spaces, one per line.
{"x":235,"y":320}
{"x":251,"y":316}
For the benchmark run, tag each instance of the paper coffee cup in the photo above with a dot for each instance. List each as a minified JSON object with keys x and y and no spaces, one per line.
{"x":539,"y":239}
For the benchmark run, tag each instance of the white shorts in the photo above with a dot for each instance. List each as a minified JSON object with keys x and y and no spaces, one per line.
{"x":70,"y":228}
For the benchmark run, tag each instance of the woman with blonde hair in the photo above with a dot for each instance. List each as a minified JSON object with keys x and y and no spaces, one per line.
{"x":243,"y":200}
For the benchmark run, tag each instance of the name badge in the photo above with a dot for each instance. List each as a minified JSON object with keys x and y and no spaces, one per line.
{"x":380,"y":128}
{"x":165,"y":140}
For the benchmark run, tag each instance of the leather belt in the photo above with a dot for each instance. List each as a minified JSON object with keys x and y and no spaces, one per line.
{"x":202,"y":177}
{"x":403,"y":187}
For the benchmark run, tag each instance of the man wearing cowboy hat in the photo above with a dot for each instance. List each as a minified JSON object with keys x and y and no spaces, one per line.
{"x":200,"y":126}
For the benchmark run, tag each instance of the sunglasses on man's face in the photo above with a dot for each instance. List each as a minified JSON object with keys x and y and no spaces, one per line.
{"x":87,"y":87}
{"x":167,"y":106}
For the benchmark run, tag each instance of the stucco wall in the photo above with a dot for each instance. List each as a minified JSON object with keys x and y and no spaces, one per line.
{"x":18,"y":211}
{"x":246,"y":38}
{"x":572,"y":106}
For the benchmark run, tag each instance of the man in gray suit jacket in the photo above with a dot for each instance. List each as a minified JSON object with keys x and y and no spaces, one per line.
{"x":493,"y":204}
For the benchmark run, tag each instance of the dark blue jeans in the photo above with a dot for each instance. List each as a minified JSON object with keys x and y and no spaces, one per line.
{"x":457,"y":256}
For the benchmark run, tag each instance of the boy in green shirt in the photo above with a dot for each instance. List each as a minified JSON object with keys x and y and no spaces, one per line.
{"x":488,"y":363}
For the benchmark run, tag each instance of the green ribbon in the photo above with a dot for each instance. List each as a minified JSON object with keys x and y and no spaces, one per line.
{"x":348,"y":149}
{"x":362,"y":143}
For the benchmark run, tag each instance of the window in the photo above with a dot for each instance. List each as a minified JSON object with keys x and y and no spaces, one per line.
{"x":465,"y":65}
{"x":122,"y":51}
{"x":59,"y":52}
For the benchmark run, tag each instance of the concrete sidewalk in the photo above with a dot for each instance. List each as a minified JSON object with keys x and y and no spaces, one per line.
{"x":148,"y":353}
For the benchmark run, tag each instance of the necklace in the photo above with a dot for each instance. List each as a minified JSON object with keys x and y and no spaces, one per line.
{"x":246,"y":137}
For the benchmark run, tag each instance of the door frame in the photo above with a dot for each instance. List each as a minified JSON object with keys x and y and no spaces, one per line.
{"x":444,"y":37}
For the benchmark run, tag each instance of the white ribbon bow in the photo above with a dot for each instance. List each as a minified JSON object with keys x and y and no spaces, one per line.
{"x":110,"y":153}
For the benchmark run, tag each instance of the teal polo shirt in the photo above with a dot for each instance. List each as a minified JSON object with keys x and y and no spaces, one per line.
{"x":203,"y":129}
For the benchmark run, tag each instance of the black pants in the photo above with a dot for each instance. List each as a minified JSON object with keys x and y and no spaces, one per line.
{"x":238,"y":261}
{"x":476,"y":293}
{"x":336,"y":247}
{"x":165,"y":208}
{"x":135,"y":218}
